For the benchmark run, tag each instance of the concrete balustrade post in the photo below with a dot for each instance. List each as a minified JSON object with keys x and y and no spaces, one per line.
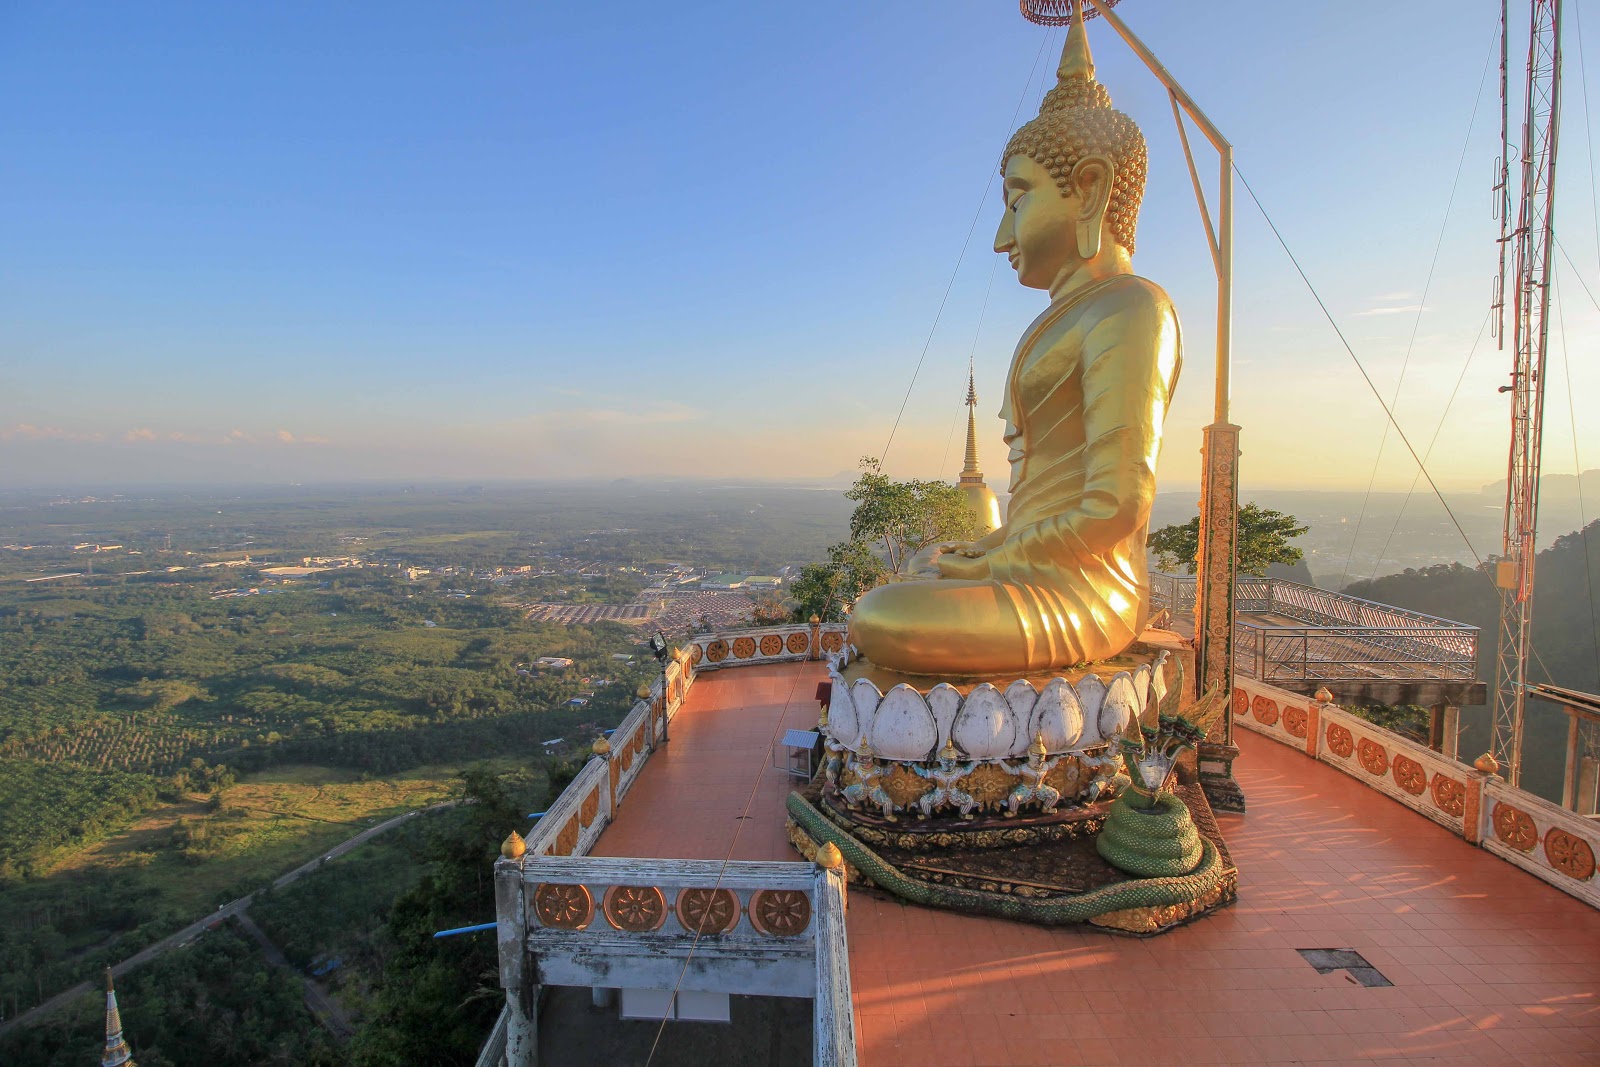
{"x":511,"y":915}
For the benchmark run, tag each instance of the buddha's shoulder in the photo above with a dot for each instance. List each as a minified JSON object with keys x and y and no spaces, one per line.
{"x":1127,"y":294}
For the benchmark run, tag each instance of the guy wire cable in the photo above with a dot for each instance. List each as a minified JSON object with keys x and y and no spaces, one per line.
{"x":976,"y":215}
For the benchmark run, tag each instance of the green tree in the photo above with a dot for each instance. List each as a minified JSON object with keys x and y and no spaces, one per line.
{"x":902,"y":518}
{"x":892,"y":522}
{"x":827,"y":590}
{"x":1264,"y":537}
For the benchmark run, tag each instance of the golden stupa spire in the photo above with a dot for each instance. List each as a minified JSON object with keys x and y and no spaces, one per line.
{"x":971,"y":471}
{"x":980,"y":498}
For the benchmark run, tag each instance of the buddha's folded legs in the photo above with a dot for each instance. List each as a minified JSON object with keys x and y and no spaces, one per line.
{"x":956,"y":627}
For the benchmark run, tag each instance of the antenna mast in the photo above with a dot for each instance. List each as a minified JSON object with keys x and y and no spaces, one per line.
{"x":1531,"y":329}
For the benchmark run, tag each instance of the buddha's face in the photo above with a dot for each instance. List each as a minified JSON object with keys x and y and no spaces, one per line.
{"x":1039,"y":230}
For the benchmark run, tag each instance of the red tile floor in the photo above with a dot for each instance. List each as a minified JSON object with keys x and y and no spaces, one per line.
{"x":1489,"y":964}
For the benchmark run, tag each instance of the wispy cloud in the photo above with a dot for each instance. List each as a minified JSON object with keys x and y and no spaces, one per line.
{"x":144,"y":435}
{"x":26,"y":431}
{"x":1401,"y":309}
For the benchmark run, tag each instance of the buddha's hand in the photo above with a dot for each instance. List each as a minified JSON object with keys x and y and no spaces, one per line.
{"x":966,"y":562}
{"x":925,"y":564}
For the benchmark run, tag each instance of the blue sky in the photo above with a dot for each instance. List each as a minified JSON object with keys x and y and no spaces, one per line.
{"x":302,"y":242}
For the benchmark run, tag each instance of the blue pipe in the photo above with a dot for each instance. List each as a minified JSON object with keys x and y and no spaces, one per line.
{"x":537,"y":814}
{"x":466,"y":930}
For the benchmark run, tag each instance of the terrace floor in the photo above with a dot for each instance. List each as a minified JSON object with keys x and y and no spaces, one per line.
{"x":1488,"y":964}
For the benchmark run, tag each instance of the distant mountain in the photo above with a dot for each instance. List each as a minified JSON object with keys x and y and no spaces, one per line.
{"x":1564,"y":635}
{"x":1554,"y":486}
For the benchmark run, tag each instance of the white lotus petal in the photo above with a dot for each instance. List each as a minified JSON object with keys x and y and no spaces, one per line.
{"x":843,"y":724}
{"x":1021,"y":696}
{"x":1120,"y":708}
{"x":904,"y":728}
{"x":865,"y":696}
{"x":1141,"y":685}
{"x":1091,"y":695}
{"x":984,"y":728}
{"x":944,"y":700}
{"x":1057,"y":716}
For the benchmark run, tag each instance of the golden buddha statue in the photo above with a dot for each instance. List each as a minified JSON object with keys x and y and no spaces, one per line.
{"x":1063,"y":581}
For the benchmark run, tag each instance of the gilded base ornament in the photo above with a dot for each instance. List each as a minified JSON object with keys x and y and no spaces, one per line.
{"x":1118,"y":904}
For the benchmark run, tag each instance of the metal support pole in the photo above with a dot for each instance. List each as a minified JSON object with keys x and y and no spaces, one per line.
{"x":1219,"y":479}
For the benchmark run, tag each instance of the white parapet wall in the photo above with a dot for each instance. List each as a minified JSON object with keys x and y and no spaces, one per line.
{"x":764,"y":644}
{"x":754,"y":954}
{"x":1548,"y":841}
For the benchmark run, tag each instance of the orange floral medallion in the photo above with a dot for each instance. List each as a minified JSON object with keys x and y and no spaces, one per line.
{"x":638,"y":909}
{"x":717,"y":650}
{"x":708,"y":911}
{"x":1410,"y":776}
{"x":1450,"y":795}
{"x":1294,"y":721}
{"x":1374,"y":760}
{"x":1340,"y":741}
{"x":565,"y":907}
{"x":771,"y":645}
{"x":1569,"y":854}
{"x":832,"y":642}
{"x":1265,"y":709}
{"x":780,"y":912}
{"x":1515,"y":827}
{"x":798,"y":643}
{"x":744,"y":647}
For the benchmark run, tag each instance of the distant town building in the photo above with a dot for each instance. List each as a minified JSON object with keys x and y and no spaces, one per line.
{"x":723,"y":581}
{"x":553,"y":663}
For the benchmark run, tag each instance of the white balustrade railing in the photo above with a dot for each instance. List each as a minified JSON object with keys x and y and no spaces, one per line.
{"x":1548,"y":841}
{"x":758,"y":901}
{"x":740,"y":927}
{"x":787,"y":643}
{"x":1542,"y":838}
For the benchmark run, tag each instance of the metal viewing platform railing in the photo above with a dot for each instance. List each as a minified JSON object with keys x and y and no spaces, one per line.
{"x":1291,"y":634}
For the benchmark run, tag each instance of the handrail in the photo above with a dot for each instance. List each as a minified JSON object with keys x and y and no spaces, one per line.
{"x":1344,"y":638}
{"x":1333,"y":607}
{"x":1544,"y":839}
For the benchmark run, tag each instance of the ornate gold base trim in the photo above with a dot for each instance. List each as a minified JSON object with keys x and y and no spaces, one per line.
{"x":1138,"y":907}
{"x":944,"y":832}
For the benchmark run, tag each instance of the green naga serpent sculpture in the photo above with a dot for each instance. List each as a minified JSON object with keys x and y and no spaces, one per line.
{"x":1148,"y":831}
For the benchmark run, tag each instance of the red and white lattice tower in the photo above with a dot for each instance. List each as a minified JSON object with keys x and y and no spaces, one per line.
{"x":1530,"y":334}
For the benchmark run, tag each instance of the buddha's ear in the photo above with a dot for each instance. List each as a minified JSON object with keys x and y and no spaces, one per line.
{"x":1092,"y":179}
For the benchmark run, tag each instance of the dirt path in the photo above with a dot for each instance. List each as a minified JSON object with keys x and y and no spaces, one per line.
{"x":318,"y":1002}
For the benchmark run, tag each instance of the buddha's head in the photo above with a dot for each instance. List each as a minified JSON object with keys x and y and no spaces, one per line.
{"x":1073,"y":177}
